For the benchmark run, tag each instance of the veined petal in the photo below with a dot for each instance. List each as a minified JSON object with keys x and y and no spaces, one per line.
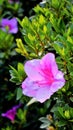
{"x":59,"y":75}
{"x":48,"y":62}
{"x":29,"y":88}
{"x":57,"y":85}
{"x":43,"y":94}
{"x":32,"y":70}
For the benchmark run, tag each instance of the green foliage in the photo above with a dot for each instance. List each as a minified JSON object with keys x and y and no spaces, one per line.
{"x":6,"y":45}
{"x":19,"y":93}
{"x":21,"y":49}
{"x":10,"y":9}
{"x":50,"y":29}
{"x":45,"y":122}
{"x":18,"y":75}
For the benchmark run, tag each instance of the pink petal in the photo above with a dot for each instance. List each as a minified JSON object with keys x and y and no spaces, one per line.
{"x":4,"y":22}
{"x":48,"y":62}
{"x":10,"y":114}
{"x":29,"y":88}
{"x":43,"y":94}
{"x":14,"y":30}
{"x":59,"y":75}
{"x":13,"y":22}
{"x":57,"y":85}
{"x":31,"y":68}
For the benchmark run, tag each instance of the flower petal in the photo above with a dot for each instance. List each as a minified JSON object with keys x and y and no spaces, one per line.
{"x":13,"y":22}
{"x":57,"y":85}
{"x":13,"y":30}
{"x":32,"y":70}
{"x":29,"y":88}
{"x":43,"y":94}
{"x":4,"y":22}
{"x":48,"y":62}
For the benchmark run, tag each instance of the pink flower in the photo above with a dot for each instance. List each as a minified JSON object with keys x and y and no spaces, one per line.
{"x":11,"y":113}
{"x":11,"y":24}
{"x":44,"y":78}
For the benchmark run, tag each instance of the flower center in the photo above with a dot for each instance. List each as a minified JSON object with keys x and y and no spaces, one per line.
{"x":8,"y":27}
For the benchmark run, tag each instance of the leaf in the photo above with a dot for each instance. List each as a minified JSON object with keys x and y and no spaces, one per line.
{"x":38,"y":9}
{"x":67,"y":114}
{"x":17,"y":76}
{"x":20,"y":68}
{"x":60,"y":110}
{"x":44,"y":120}
{"x":21,"y":48}
{"x":71,"y":98}
{"x":32,"y":38}
{"x":19,"y":93}
{"x":41,"y":20}
{"x":55,"y":3}
{"x":45,"y":29}
{"x":14,"y":75}
{"x":44,"y":125}
{"x":62,"y":123}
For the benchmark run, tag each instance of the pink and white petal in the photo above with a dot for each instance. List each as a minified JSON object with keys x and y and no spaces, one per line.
{"x":29,"y":88}
{"x":57,"y":85}
{"x":48,"y":62}
{"x":32,"y":70}
{"x":43,"y":94}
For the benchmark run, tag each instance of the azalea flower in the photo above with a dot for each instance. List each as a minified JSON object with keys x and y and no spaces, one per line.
{"x":10,"y":114}
{"x":44,"y":78}
{"x":10,"y":24}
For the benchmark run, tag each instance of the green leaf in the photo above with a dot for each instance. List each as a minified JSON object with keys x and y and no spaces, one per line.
{"x":62,"y":123}
{"x":17,"y":76}
{"x":67,"y":114}
{"x":20,"y":68}
{"x":21,"y":48}
{"x":44,"y":120}
{"x":44,"y":125}
{"x":32,"y":38}
{"x":19,"y":93}
{"x":60,"y":110}
{"x":41,"y":20}
{"x":14,"y":75}
{"x":71,"y":98}
{"x":56,"y":3}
